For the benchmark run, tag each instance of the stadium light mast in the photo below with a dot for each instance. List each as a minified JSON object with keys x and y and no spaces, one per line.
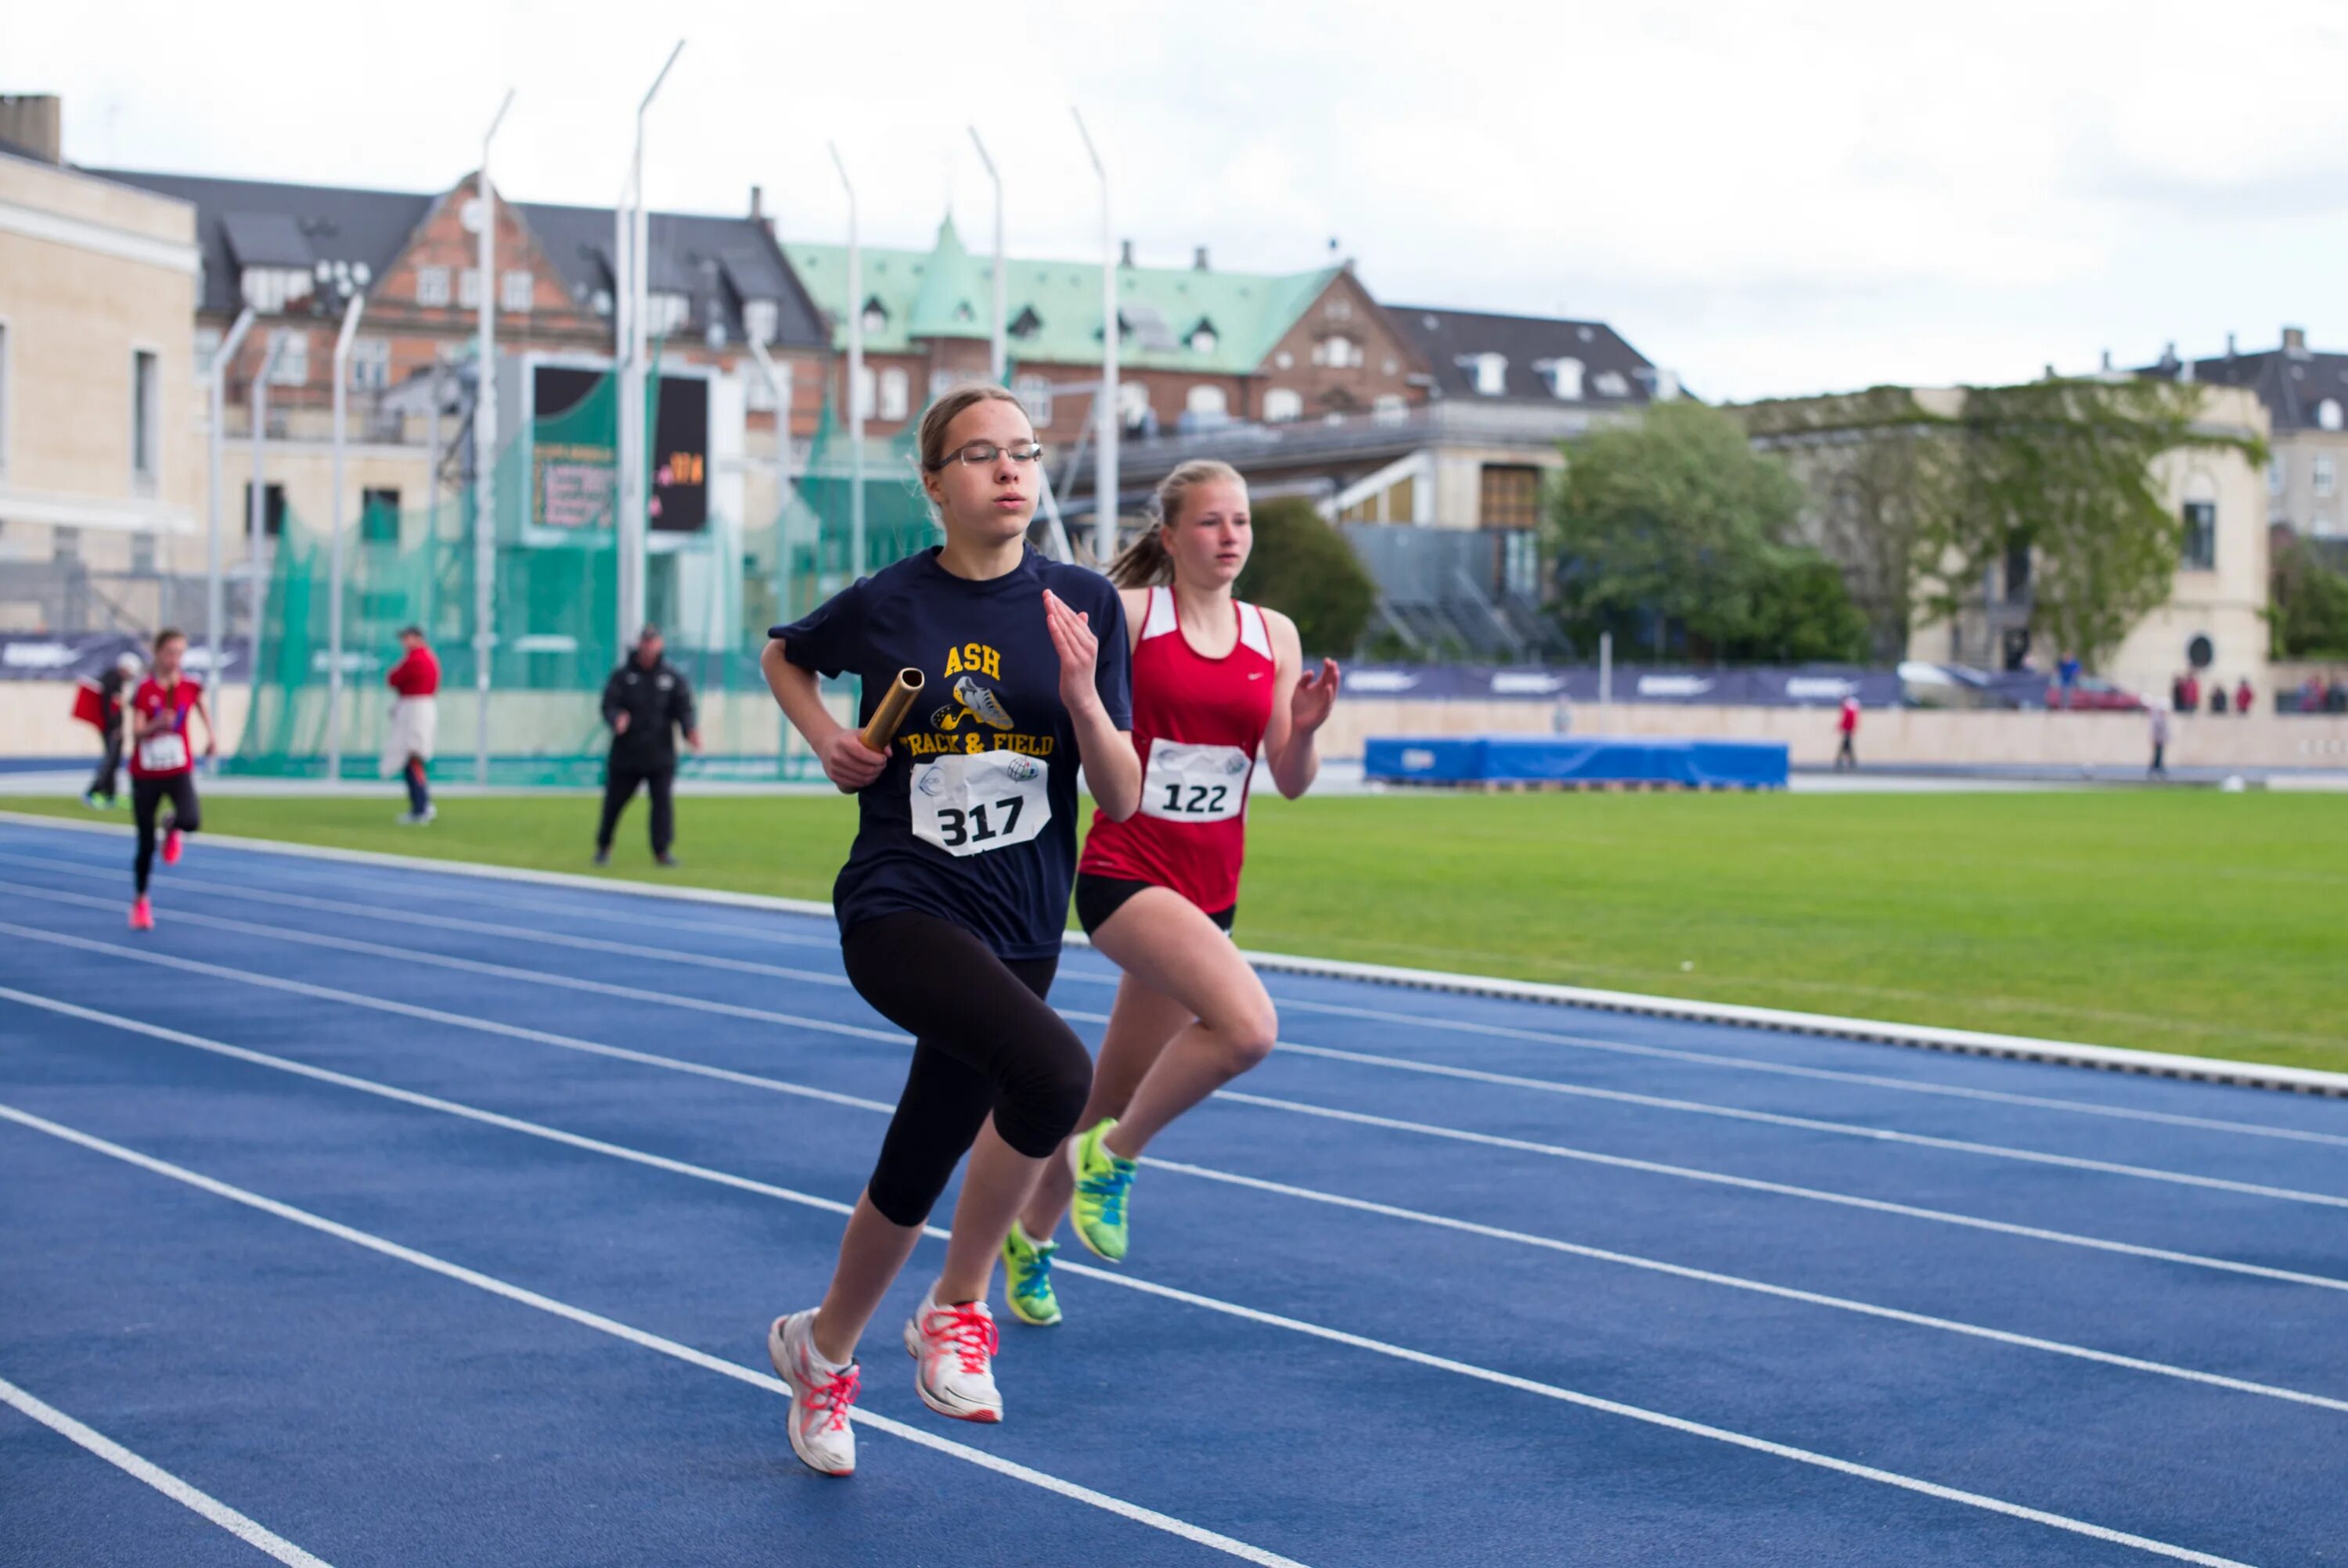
{"x":351,"y":314}
{"x":855,"y":378}
{"x":485,"y":453}
{"x":215,"y":597}
{"x":999,"y":361}
{"x":1104,"y":483}
{"x":256,"y":524}
{"x":635,"y":368}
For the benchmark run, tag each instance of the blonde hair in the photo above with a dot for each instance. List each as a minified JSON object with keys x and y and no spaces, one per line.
{"x":1144,"y":563}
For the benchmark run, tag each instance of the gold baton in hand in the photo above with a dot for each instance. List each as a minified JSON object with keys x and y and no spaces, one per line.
{"x":890,"y":713}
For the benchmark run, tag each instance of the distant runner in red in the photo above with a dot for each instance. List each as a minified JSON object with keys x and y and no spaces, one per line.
{"x":414,"y":723}
{"x":1846,"y":724}
{"x":1215,"y":682}
{"x":162,"y":763}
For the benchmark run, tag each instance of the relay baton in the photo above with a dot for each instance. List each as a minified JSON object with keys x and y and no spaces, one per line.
{"x":890,"y":713}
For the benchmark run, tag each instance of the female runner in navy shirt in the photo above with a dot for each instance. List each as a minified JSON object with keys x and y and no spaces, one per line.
{"x":954,"y":898}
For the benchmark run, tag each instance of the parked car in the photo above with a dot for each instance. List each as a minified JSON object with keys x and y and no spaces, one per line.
{"x":2095,"y":695}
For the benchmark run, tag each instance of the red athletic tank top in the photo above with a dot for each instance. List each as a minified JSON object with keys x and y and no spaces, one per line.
{"x":165,"y":752}
{"x":1198,"y":724}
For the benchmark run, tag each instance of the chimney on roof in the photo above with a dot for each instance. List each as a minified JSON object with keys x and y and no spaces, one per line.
{"x":1199,"y":260}
{"x":758,"y":213}
{"x":1125,"y":253}
{"x":2295,"y":342}
{"x":2229,"y":345}
{"x":2105,"y":368}
{"x":34,"y":121}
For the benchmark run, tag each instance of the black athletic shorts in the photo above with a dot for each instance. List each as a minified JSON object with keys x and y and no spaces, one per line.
{"x":1098,"y":897}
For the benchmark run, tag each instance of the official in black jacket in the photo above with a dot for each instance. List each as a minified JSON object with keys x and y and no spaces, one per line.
{"x":646,"y":703}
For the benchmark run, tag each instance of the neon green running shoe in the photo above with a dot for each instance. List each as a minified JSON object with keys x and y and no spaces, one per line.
{"x":1027,"y":1278}
{"x":1104,"y":1186}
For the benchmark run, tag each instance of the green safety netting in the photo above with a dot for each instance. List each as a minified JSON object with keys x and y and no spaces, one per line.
{"x":713,"y":592}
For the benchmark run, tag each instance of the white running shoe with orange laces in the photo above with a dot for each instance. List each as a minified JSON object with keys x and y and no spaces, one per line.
{"x":821,"y":1396}
{"x":953,"y":1348}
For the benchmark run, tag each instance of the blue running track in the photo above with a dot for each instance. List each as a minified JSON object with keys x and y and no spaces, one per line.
{"x":398,"y":1216}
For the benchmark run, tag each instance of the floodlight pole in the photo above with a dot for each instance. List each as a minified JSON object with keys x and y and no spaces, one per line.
{"x":855,"y":379}
{"x":256,"y":510}
{"x":632,"y":523}
{"x":1105,"y":483}
{"x":485,"y":457}
{"x":628,"y":432}
{"x":778,"y":387}
{"x":215,"y":596}
{"x":335,"y":546}
{"x":999,"y":361}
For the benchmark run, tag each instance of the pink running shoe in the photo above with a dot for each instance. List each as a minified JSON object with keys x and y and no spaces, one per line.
{"x":821,"y":1399}
{"x":954,"y":1347}
{"x":171,"y":847}
{"x":142,"y":915}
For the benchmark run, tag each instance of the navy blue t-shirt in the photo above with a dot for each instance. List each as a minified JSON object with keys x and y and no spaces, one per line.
{"x":974,"y":818}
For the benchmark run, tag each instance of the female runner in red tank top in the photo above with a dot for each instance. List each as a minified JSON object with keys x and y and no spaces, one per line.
{"x":1214,"y":681}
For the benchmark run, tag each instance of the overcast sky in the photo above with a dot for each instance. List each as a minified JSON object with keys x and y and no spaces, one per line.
{"x":1771,"y":199}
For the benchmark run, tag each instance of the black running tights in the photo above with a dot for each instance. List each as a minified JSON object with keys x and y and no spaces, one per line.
{"x":145,"y":797}
{"x":985,"y":1042}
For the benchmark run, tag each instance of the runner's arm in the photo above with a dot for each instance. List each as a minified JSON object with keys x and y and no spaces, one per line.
{"x":1299,"y":706}
{"x":845,"y":760}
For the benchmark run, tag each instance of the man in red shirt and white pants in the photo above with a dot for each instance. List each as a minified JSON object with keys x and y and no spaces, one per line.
{"x":414,"y":722}
{"x":1847,"y":723}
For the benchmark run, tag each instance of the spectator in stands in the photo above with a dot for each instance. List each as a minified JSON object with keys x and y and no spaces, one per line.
{"x":646,"y":703}
{"x":2177,"y":704}
{"x":2311,"y":694}
{"x":2192,"y":693}
{"x":415,"y":724}
{"x":2335,"y":700}
{"x":2243,"y":697}
{"x":2066,"y":676}
{"x":2159,"y":769}
{"x":120,"y":675}
{"x":2216,"y":696}
{"x":1846,"y":721}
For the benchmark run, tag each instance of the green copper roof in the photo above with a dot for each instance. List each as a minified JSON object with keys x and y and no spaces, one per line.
{"x":947,"y":292}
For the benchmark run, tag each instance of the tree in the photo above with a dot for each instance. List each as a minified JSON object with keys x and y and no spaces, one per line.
{"x":2309,"y":599}
{"x":1304,"y":568}
{"x":1679,"y":525}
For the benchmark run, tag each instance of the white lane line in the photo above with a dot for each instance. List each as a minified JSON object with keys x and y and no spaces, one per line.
{"x":1559,"y":1151}
{"x":1288,"y":1004}
{"x":1284,"y":1189}
{"x":1333,"y":1335}
{"x":649,"y":1341}
{"x":1617,"y":1096}
{"x":1781,"y":1189}
{"x":255,"y":1535}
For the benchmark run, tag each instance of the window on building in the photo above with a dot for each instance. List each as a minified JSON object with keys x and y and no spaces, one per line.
{"x":64,"y":543}
{"x":765,"y":399}
{"x":1339,"y":308}
{"x":370,"y":364}
{"x":2199,"y":551}
{"x":291,"y":345}
{"x":1282,"y":404}
{"x":1486,"y":373}
{"x":601,"y":302}
{"x":1610,"y":383}
{"x":2327,"y":413}
{"x":896,"y":393}
{"x":270,"y":290}
{"x":1510,"y":498}
{"x":516,"y":290}
{"x":273,"y":511}
{"x":944,"y":381}
{"x":667,"y":311}
{"x":1390,"y":409}
{"x":876,"y":315}
{"x":1132,"y":404}
{"x":142,"y":554}
{"x":2278,"y":475}
{"x":1206,"y":402}
{"x":1564,"y":378}
{"x":432,"y":285}
{"x":761,"y":320}
{"x":1027,"y":324}
{"x":1202,"y":339}
{"x":208,"y":342}
{"x":1338,"y":352}
{"x":2322,"y":473}
{"x":1035,"y":393}
{"x":379,"y":516}
{"x":146,"y":418}
{"x":2017,"y":569}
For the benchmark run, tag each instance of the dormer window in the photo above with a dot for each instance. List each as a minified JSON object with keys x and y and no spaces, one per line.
{"x":876,"y":315}
{"x":1202,"y":339}
{"x":761,"y":319}
{"x":1486,"y":373}
{"x":1610,"y":383}
{"x":963,"y":313}
{"x":270,"y":290}
{"x":666,"y":312}
{"x":1027,"y":325}
{"x":2327,"y":413}
{"x":1564,"y":378}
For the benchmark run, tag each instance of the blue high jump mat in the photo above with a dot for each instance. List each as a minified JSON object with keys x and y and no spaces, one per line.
{"x":1689,"y":763}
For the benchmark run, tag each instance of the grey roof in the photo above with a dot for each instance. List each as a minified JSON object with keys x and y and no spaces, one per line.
{"x":331,"y":223}
{"x":2292,"y":384}
{"x":720,"y":262}
{"x":267,"y":239}
{"x":1450,"y":338}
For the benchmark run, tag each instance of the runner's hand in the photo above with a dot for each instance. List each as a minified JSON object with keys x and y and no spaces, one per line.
{"x":848,"y":763}
{"x":1079,"y":651}
{"x":1316,"y":694}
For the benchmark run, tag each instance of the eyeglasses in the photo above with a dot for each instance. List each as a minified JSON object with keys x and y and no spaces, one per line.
{"x":983,"y":452}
